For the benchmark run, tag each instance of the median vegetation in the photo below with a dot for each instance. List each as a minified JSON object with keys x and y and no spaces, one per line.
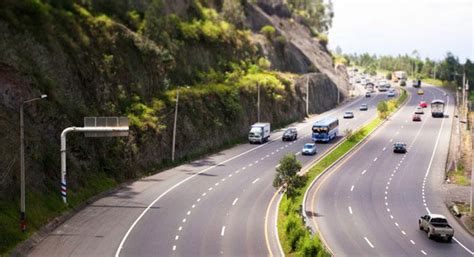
{"x":294,"y":236}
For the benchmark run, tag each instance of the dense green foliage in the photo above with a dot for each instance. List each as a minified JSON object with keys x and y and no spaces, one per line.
{"x":316,"y":14}
{"x":286,"y":175}
{"x":385,"y":108}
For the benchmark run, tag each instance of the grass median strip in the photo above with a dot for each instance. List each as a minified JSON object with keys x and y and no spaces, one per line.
{"x":295,"y":238}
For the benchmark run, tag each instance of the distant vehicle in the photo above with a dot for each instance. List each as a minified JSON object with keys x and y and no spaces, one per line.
{"x":290,"y":134}
{"x":436,"y":225}
{"x":357,"y":80}
{"x":399,"y":75}
{"x":399,"y":147}
{"x":369,"y":86}
{"x":363,"y":107}
{"x":420,"y":92}
{"x":416,"y":117}
{"x":419,"y":110}
{"x":259,"y":133}
{"x":367,"y":94}
{"x":383,"y":86}
{"x":403,"y":83}
{"x":423,"y":104}
{"x":348,"y":115}
{"x":309,"y":149}
{"x":325,"y":130}
{"x":391,"y":94}
{"x":437,"y":108}
{"x":416,"y":83}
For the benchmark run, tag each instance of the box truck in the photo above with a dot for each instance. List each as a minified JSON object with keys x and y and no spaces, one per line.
{"x":259,"y":133}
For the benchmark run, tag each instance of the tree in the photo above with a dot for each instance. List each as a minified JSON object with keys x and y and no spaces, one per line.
{"x":382,"y":109}
{"x":287,"y":175}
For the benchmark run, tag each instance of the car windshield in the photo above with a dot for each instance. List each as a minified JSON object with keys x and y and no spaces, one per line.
{"x":308,"y":146}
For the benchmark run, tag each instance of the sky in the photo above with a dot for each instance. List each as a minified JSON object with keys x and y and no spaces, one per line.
{"x":392,"y":27}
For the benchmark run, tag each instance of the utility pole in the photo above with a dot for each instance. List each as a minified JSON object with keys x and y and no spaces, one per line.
{"x":174,"y":125}
{"x":307,"y":95}
{"x":22,"y":164}
{"x":258,"y":102}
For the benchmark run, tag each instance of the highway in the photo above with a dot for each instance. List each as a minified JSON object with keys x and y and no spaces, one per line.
{"x":369,"y":204}
{"x":213,"y":206}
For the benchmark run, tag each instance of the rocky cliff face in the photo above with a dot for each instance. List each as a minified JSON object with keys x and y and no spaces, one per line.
{"x":90,"y":65}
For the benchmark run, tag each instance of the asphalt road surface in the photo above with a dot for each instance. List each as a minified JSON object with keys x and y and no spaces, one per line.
{"x":369,"y":204}
{"x":215,"y":206}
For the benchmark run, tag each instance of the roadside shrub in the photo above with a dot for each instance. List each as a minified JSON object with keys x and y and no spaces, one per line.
{"x":382,"y":109}
{"x":264,"y":63}
{"x":349,"y":134}
{"x":323,"y":39}
{"x":388,"y":76}
{"x":268,"y":31}
{"x":280,"y":41}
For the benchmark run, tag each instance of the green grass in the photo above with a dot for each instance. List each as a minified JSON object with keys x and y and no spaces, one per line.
{"x":41,"y":208}
{"x":434,"y":82}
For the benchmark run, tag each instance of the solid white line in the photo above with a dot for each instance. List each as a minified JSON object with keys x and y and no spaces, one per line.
{"x":423,"y":252}
{"x":223,"y":231}
{"x":465,"y":248}
{"x":174,"y":247}
{"x":352,"y":188}
{"x":350,"y":209}
{"x":117,"y":253}
{"x":235,"y":201}
{"x":368,"y":242}
{"x":364,"y":171}
{"x":255,"y":181}
{"x":412,"y":242}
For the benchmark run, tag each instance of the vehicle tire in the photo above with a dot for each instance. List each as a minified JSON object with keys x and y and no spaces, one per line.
{"x":419,"y":225}
{"x":449,"y":239}
{"x":430,"y":236}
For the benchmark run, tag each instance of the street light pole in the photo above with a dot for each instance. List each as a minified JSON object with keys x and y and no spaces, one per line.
{"x":307,"y":95}
{"x":174,"y":126}
{"x":258,"y":102}
{"x":22,"y":164}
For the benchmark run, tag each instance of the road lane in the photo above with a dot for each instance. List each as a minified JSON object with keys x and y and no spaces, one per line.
{"x":387,"y":199}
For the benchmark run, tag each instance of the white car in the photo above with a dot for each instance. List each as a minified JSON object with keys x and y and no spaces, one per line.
{"x":348,"y":115}
{"x":390,"y":94}
{"x":419,"y":110}
{"x":309,"y":149}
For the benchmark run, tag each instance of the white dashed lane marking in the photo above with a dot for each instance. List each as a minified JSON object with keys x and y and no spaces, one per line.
{"x":235,"y":201}
{"x":364,"y":171}
{"x":255,"y":181}
{"x":350,"y":209}
{"x":222,"y":230}
{"x":174,"y":247}
{"x":352,"y":188}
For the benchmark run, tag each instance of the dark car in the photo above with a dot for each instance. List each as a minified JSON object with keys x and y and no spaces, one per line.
{"x":290,"y":134}
{"x":399,"y":147}
{"x":416,"y":117}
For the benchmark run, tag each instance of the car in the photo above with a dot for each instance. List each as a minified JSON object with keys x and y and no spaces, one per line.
{"x":309,"y":149}
{"x":423,"y":104}
{"x":436,"y":225}
{"x":390,"y":94}
{"x":420,"y":92}
{"x":348,"y":115}
{"x":367,"y":94}
{"x":290,"y":134}
{"x":419,"y":110}
{"x":363,"y":107}
{"x":399,"y":147}
{"x":416,"y":117}
{"x":403,"y":83}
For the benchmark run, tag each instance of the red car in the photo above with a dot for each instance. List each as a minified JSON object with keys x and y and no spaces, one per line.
{"x":416,"y":117}
{"x":423,"y":104}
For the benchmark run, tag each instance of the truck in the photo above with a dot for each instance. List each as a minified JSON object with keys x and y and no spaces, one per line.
{"x":259,"y":133}
{"x":436,"y":226}
{"x":437,"y":108}
{"x":416,"y":83}
{"x":399,"y":75}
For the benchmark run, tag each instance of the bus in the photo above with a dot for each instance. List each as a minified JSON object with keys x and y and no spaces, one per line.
{"x":437,"y":108}
{"x":325,"y":129}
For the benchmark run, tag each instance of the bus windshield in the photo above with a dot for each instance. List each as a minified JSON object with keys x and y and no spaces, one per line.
{"x":320,"y":129}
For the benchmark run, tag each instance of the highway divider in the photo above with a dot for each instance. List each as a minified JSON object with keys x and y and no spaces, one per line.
{"x":296,"y":236}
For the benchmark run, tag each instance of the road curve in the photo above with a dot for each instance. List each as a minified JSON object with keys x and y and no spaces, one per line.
{"x":213,"y":206}
{"x":369,"y":204}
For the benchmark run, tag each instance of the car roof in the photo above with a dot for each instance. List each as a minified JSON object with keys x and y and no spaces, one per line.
{"x":439,"y":216}
{"x":399,"y":143}
{"x":311,"y":144}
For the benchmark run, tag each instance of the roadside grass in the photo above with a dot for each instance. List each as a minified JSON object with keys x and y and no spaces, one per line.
{"x":42,"y":208}
{"x":295,"y":238}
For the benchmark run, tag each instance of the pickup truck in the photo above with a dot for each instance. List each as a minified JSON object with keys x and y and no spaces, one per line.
{"x":436,"y":225}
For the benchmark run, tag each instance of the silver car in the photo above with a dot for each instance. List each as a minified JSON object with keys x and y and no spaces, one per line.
{"x":309,"y":149}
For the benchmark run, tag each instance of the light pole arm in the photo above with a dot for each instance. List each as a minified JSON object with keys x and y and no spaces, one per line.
{"x":63,"y":149}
